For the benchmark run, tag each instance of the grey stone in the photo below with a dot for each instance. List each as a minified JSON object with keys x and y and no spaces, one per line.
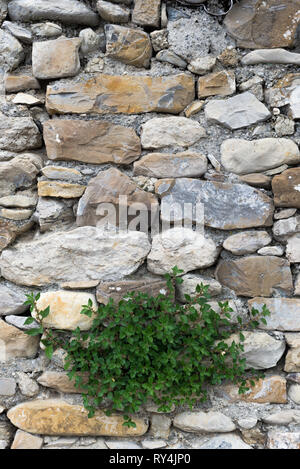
{"x":47,"y":29}
{"x":28,"y":386}
{"x":210,"y":422}
{"x":293,"y":248}
{"x":271,"y":251}
{"x":160,"y":426}
{"x":153,"y":443}
{"x":12,"y":300}
{"x":11,"y":51}
{"x":7,"y":386}
{"x":284,"y":313}
{"x":90,"y":41}
{"x":20,"y":172}
{"x":67,"y":11}
{"x":202,"y":65}
{"x":183,"y":247}
{"x":271,"y":56}
{"x":283,"y":229}
{"x":19,"y":133}
{"x":166,"y":131}
{"x":122,"y":444}
{"x":243,"y":156}
{"x":247,"y":242}
{"x":284,"y":126}
{"x":171,"y":57}
{"x":240,"y":111}
{"x":283,"y":440}
{"x":52,"y":214}
{"x":82,"y":254}
{"x":23,"y":34}
{"x":3,"y":10}
{"x":113,"y":13}
{"x":19,"y":322}
{"x":190,"y":282}
{"x":226,"y":206}
{"x":284,"y":213}
{"x":159,"y":39}
{"x":284,"y":417}
{"x":231,"y":442}
{"x":247,"y":423}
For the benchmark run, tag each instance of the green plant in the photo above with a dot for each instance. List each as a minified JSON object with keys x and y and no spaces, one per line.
{"x":150,"y":348}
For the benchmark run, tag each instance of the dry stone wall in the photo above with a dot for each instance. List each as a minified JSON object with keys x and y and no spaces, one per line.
{"x":164,"y":103}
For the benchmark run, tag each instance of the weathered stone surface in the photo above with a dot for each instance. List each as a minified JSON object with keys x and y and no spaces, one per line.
{"x":271,"y":390}
{"x":102,"y":142}
{"x":19,"y":173}
{"x":226,"y":206}
{"x":113,"y":13}
{"x":292,"y":360}
{"x":247,"y":423}
{"x":19,"y":322}
{"x":171,"y":58}
{"x":61,"y":173}
{"x":57,"y":417}
{"x":106,"y":94}
{"x":284,"y":312}
{"x":108,"y":187}
{"x":82,"y":254}
{"x":6,"y":434}
{"x":216,"y":84}
{"x":131,"y":46}
{"x":153,"y":443}
{"x":160,"y":426}
{"x":257,"y":180}
{"x":286,"y":92}
{"x":146,"y":13}
{"x":230,"y":441}
{"x":293,"y":248}
{"x":284,"y":417}
{"x":20,"y":82}
{"x":190,"y":282}
{"x":164,"y":165}
{"x":159,"y":39}
{"x":53,"y":214}
{"x":15,"y":214}
{"x":210,"y":422}
{"x":27,"y":386}
{"x":183,"y":247}
{"x":237,"y":112}
{"x":7,"y":386}
{"x":202,"y":65}
{"x":261,"y":351}
{"x":286,"y":188}
{"x":46,"y":29}
{"x":11,"y":51}
{"x":256,"y":276}
{"x":243,"y":156}
{"x":271,"y":251}
{"x":65,"y":309}
{"x":285,"y":213}
{"x":15,"y":344}
{"x":3,"y":10}
{"x":294,"y":393}
{"x":166,"y":131}
{"x":90,"y":41}
{"x":27,"y":99}
{"x":247,"y":242}
{"x":59,"y":381}
{"x":285,"y":228}
{"x":11,"y":300}
{"x":19,"y":134}
{"x":19,"y":32}
{"x":193,"y":108}
{"x":57,"y":58}
{"x":60,"y":189}
{"x":24,"y":440}
{"x":67,"y":11}
{"x":271,"y":56}
{"x":283,"y":440}
{"x":255,"y":24}
{"x":152,"y":286}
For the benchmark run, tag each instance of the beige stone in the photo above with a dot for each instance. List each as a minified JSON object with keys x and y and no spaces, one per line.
{"x":65,"y":309}
{"x":24,"y":440}
{"x":216,"y":84}
{"x":60,"y":189}
{"x":146,"y":13}
{"x":257,"y":180}
{"x":286,"y":188}
{"x":56,"y":58}
{"x":15,"y":343}
{"x":210,"y":422}
{"x":20,"y":172}
{"x":246,"y":242}
{"x":59,"y":381}
{"x":255,"y":275}
{"x":113,"y":94}
{"x":18,"y":134}
{"x":193,"y":108}
{"x":164,"y":165}
{"x":61,"y":173}
{"x":95,"y":142}
{"x":131,"y":46}
{"x":15,"y":214}
{"x":19,"y":200}
{"x":27,"y":99}
{"x":152,"y":286}
{"x":270,"y":390}
{"x":57,"y":417}
{"x":107,"y":188}
{"x":20,"y":82}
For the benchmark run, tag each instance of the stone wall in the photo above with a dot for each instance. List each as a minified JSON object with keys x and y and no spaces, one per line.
{"x":166,"y":104}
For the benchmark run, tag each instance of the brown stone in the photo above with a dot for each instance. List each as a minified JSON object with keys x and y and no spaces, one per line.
{"x":131,"y":46}
{"x":16,"y":344}
{"x":20,"y":82}
{"x":255,"y":275}
{"x":107,"y":188}
{"x":24,"y":440}
{"x":57,"y":58}
{"x":254,"y":436}
{"x":216,"y":84}
{"x":7,"y":234}
{"x":286,"y":188}
{"x":57,"y":417}
{"x":59,"y":381}
{"x":257,"y":24}
{"x":94,"y":142}
{"x":146,"y":13}
{"x":271,"y":390}
{"x":60,"y":189}
{"x":164,"y":165}
{"x":257,"y":180}
{"x":112,"y":94}
{"x":152,"y":286}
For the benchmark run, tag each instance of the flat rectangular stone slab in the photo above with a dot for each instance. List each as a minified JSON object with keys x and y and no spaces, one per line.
{"x":107,"y":94}
{"x":285,"y":313}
